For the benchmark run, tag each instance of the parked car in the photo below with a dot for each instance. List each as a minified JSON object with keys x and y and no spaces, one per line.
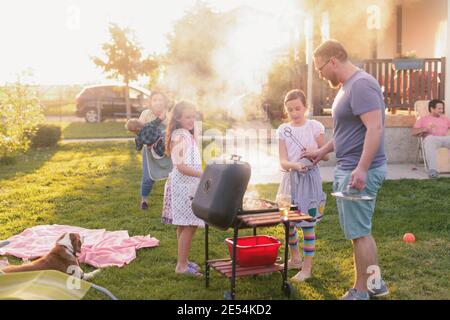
{"x":98,"y":102}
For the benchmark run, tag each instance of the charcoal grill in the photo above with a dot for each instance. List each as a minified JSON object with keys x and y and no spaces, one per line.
{"x":219,"y":202}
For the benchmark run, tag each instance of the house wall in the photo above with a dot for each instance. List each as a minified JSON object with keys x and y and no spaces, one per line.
{"x":352,"y":28}
{"x":422,"y":27}
{"x":425,"y":29}
{"x":388,"y":35}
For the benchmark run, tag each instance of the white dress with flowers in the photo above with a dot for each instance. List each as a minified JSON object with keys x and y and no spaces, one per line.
{"x":177,"y":208}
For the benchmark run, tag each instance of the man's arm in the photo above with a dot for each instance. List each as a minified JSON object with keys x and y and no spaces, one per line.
{"x":320,"y":140}
{"x":418,"y":131}
{"x":372,"y":122}
{"x":328,"y":147}
{"x":321,"y":153}
{"x":448,"y":131}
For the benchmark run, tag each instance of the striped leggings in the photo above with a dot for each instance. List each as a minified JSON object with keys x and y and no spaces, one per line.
{"x":309,"y":239}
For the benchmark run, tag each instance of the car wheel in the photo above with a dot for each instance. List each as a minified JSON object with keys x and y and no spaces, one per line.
{"x":91,"y":116}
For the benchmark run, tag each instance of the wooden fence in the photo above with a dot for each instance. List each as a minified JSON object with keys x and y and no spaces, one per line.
{"x":401,"y":85}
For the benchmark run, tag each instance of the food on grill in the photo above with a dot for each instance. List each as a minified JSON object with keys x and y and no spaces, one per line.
{"x":254,"y":204}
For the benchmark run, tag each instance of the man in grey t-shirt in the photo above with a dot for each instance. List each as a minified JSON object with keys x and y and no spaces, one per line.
{"x":358,"y":140}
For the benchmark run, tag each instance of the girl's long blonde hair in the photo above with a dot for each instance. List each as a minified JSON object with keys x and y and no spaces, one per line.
{"x":172,"y":124}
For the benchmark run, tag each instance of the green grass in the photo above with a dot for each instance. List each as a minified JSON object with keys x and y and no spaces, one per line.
{"x":83,"y":130}
{"x":112,"y":129}
{"x":60,"y":110}
{"x":96,"y":185}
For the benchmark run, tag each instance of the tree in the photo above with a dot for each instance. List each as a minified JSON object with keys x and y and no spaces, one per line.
{"x":20,"y":113}
{"x":124,"y":59}
{"x":279,"y":82}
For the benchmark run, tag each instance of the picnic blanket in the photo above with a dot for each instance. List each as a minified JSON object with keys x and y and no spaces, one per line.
{"x":100,"y":248}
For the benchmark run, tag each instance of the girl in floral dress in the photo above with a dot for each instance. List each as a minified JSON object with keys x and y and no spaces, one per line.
{"x":185,"y":176}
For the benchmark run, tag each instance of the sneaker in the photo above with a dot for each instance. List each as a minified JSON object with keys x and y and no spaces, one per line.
{"x":144,"y":205}
{"x":379,"y":292}
{"x":433,"y":174}
{"x":353,"y":294}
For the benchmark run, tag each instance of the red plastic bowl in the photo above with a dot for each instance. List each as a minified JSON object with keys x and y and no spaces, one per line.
{"x":254,"y":250}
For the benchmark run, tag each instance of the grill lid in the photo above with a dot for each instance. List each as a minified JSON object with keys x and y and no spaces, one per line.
{"x":219,"y":196}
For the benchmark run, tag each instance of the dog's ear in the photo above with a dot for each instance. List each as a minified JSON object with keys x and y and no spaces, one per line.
{"x":61,"y":237}
{"x":76,"y":242}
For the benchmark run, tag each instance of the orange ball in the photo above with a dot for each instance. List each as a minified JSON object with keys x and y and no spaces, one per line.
{"x":409,"y":237}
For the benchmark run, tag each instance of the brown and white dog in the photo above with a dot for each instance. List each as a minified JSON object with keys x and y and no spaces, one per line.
{"x":63,"y":257}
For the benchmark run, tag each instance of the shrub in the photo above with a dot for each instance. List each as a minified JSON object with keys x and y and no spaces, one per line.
{"x":46,"y":135}
{"x":20,"y":113}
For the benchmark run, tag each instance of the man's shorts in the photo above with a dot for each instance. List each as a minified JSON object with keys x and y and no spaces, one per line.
{"x":355,"y":217}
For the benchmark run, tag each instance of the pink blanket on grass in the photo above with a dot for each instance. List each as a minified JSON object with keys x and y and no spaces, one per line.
{"x":100,"y":248}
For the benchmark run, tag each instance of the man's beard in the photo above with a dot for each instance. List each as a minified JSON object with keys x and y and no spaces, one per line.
{"x":334,"y":83}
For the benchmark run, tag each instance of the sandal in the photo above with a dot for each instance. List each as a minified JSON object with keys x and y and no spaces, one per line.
{"x":144,"y":205}
{"x":190,"y":271}
{"x":193,"y":265}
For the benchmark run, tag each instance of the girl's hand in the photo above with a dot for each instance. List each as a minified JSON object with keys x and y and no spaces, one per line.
{"x":301,"y":168}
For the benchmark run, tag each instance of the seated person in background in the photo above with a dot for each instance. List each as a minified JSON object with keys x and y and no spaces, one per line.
{"x":148,"y":134}
{"x":434,"y":128}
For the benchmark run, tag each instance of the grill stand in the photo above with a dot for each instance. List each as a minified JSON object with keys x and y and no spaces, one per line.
{"x":229,"y":269}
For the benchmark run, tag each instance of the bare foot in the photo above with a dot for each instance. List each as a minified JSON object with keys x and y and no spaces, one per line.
{"x":294,"y":264}
{"x":180,"y":268}
{"x":301,"y":276}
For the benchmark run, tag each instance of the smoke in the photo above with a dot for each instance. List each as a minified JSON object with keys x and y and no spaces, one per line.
{"x":221,"y":60}
{"x":248,"y":51}
{"x":225,"y":58}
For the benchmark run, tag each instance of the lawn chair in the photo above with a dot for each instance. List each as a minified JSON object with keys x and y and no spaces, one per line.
{"x":421,"y":109}
{"x":45,"y":285}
